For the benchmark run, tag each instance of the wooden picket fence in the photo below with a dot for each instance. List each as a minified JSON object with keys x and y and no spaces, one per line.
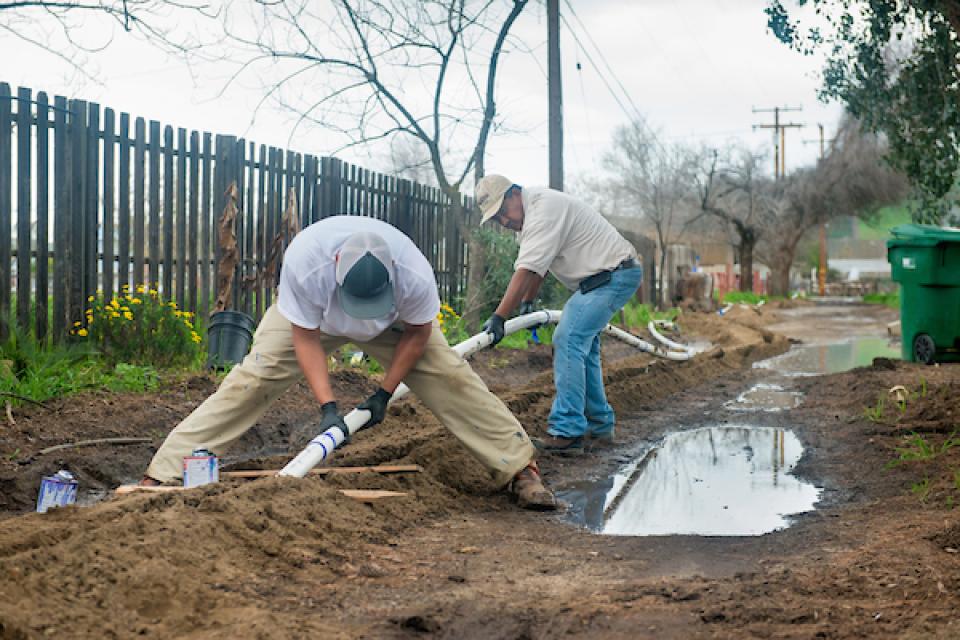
{"x":92,"y":200}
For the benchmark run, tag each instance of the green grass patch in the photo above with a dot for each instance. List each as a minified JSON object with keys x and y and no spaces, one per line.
{"x":746,"y":297}
{"x":891,"y":300}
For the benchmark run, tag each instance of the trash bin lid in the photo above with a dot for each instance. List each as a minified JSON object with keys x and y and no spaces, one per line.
{"x":922,"y":235}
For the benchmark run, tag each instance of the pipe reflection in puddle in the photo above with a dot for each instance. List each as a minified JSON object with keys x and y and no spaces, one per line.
{"x":721,"y":481}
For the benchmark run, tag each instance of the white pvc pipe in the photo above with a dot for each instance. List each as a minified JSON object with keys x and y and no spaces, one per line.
{"x":322,"y":446}
{"x":652,"y":328}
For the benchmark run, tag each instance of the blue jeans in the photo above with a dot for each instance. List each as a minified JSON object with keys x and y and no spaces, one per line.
{"x":581,"y":405}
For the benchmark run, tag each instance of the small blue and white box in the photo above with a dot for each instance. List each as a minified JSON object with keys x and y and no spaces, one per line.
{"x":57,"y":490}
{"x":200,"y":468}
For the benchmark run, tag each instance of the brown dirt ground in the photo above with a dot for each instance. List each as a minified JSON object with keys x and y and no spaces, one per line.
{"x":286,"y":558}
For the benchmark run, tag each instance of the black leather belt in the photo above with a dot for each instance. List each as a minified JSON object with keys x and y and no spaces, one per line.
{"x":598,"y":280}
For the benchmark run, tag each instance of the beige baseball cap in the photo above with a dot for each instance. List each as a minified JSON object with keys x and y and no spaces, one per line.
{"x":365,"y":276}
{"x":489,"y":195}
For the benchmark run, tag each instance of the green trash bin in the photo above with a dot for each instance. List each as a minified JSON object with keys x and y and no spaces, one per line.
{"x":925,"y":261}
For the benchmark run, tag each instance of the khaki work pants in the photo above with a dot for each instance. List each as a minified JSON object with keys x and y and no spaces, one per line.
{"x":441,"y":380}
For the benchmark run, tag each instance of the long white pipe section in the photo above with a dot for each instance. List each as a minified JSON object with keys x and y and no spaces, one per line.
{"x":323,"y":446}
{"x":662,"y":339}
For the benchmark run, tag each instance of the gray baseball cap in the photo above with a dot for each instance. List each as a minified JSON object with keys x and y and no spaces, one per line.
{"x":365,"y":276}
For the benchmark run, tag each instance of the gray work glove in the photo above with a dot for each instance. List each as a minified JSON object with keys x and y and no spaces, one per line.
{"x":330,"y":418}
{"x":528,"y":306}
{"x":377,"y":406}
{"x":494,"y":326}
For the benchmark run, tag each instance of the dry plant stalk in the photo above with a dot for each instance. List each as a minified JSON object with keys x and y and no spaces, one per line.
{"x":289,"y":227}
{"x":229,"y":254}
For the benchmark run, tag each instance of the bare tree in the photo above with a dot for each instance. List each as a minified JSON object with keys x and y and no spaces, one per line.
{"x":852,"y":180}
{"x":375,"y":70}
{"x":63,"y":27}
{"x":732,"y":190}
{"x":654,"y":180}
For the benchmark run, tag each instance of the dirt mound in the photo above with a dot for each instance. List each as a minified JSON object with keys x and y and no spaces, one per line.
{"x":164,"y":564}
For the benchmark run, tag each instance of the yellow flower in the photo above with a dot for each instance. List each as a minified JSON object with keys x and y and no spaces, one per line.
{"x":91,"y":298}
{"x":140,"y":288}
{"x":188,"y":323}
{"x":82,"y":332}
{"x":153,"y":292}
{"x":114,"y":303}
{"x":125,"y":287}
{"x":77,"y":324}
{"x":136,"y":301}
{"x":195,"y":336}
{"x":114,"y":315}
{"x":128,"y":315}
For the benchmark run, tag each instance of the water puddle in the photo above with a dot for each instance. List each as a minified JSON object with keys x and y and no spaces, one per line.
{"x":765,"y":397}
{"x":716,"y":481}
{"x":818,"y":359}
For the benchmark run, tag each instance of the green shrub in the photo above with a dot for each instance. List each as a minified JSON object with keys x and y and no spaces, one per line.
{"x":501,"y":254}
{"x":140,"y":328}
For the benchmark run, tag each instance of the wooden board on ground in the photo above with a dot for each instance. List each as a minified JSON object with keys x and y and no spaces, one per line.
{"x":363,"y":495}
{"x":265,"y":473}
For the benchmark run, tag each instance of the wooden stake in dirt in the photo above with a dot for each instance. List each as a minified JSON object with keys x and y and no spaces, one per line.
{"x":229,"y":254}
{"x":363,"y":495}
{"x":89,"y":443}
{"x":266,"y":473}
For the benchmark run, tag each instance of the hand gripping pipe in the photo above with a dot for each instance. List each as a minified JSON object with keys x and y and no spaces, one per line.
{"x":322,"y":446}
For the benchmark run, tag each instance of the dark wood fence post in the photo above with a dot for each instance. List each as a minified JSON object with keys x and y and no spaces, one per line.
{"x":61,"y":217}
{"x":6,"y":204}
{"x":43,"y":216}
{"x":108,"y":211}
{"x":24,"y":179}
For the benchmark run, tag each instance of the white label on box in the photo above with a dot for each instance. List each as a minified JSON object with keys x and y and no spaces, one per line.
{"x":198,"y":471}
{"x":909,"y":263}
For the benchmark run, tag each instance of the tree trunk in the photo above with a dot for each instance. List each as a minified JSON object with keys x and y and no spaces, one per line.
{"x":476,"y":265}
{"x":748,"y":242}
{"x":659,"y":283}
{"x":780,"y":278}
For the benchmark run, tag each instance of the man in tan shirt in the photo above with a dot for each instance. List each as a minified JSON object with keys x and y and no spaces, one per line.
{"x":566,"y":237}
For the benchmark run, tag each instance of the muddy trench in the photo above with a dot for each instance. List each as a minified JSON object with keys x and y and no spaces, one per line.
{"x":856,"y":556}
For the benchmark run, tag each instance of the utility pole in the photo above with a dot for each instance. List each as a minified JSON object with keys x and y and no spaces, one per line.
{"x":822,"y":267}
{"x":779,"y":137}
{"x":555,"y":95}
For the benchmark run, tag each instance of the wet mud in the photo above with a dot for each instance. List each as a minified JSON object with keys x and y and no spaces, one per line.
{"x":286,"y":558}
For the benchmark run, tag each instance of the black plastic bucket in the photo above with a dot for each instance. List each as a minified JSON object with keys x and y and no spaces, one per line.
{"x":229,"y":336}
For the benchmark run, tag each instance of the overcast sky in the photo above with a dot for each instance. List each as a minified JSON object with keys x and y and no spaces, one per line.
{"x":695,"y":69}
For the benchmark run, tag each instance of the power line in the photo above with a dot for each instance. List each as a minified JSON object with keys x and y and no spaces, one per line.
{"x":603,"y":58}
{"x":636,"y":116}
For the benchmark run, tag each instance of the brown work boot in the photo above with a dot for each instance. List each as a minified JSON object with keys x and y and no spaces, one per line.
{"x":529,"y":490}
{"x":559,"y":445}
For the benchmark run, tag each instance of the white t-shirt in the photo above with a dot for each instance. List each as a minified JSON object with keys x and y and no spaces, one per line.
{"x":307,"y":295}
{"x":566,"y":237}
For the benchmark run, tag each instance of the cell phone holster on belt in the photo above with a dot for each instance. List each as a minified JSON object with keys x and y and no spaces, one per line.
{"x":595,"y":281}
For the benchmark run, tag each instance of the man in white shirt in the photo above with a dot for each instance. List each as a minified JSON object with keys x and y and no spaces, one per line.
{"x":563,"y":235}
{"x":355,"y":279}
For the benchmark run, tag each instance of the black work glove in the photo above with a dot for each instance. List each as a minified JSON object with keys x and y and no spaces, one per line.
{"x":528,"y":306}
{"x":377,"y":406}
{"x":494,"y":326}
{"x":330,"y":418}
